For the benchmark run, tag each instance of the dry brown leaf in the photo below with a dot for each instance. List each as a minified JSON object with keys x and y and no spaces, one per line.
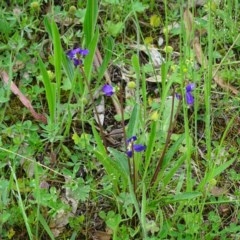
{"x":22,"y":98}
{"x":153,"y":53}
{"x":218,"y":191}
{"x":154,"y":79}
{"x":58,"y":223}
{"x":199,"y":53}
{"x":100,"y":235}
{"x":188,"y":22}
{"x":100,"y":111}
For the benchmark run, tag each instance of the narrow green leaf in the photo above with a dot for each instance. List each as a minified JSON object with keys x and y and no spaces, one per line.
{"x":137,"y":69}
{"x":172,"y":150}
{"x":169,"y":174}
{"x":88,"y":62}
{"x":167,"y":112}
{"x":57,"y":57}
{"x":107,"y":57}
{"x":90,"y":21}
{"x":49,"y":90}
{"x":110,"y":168}
{"x":186,"y":196}
{"x":121,"y":160}
{"x":47,"y":25}
{"x":99,"y":141}
{"x":67,"y":66}
{"x":133,"y":123}
{"x":150,"y":146}
{"x":45,"y":226}
{"x":222,"y":167}
{"x":143,"y":210}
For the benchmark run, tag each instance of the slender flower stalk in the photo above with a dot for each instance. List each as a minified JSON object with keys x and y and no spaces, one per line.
{"x":131,"y":148}
{"x":76,"y":56}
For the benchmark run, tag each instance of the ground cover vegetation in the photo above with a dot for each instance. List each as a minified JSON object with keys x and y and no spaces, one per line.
{"x":119,"y":119}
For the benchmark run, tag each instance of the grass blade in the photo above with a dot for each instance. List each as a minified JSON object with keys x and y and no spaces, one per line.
{"x":21,"y":205}
{"x":90,"y":21}
{"x":49,"y":89}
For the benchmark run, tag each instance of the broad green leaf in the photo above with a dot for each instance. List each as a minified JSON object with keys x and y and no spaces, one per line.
{"x":122,"y":161}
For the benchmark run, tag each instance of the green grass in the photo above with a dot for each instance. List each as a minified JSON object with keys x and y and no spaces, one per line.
{"x":69,"y":177}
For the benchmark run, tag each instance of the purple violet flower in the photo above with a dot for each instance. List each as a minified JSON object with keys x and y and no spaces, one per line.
{"x":134,"y":147}
{"x":76,"y":54}
{"x":189,"y":97}
{"x":108,"y":90}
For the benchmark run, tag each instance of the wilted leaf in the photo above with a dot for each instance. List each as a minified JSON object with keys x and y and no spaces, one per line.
{"x":100,"y":111}
{"x":58,"y":223}
{"x":218,"y":191}
{"x":99,"y":235}
{"x":153,"y":53}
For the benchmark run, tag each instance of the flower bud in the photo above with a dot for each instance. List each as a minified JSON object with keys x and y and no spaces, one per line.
{"x":35,"y":6}
{"x":131,"y":85}
{"x":168,"y":49}
{"x":154,"y":116}
{"x":72,"y":10}
{"x":213,"y":182}
{"x":51,"y":75}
